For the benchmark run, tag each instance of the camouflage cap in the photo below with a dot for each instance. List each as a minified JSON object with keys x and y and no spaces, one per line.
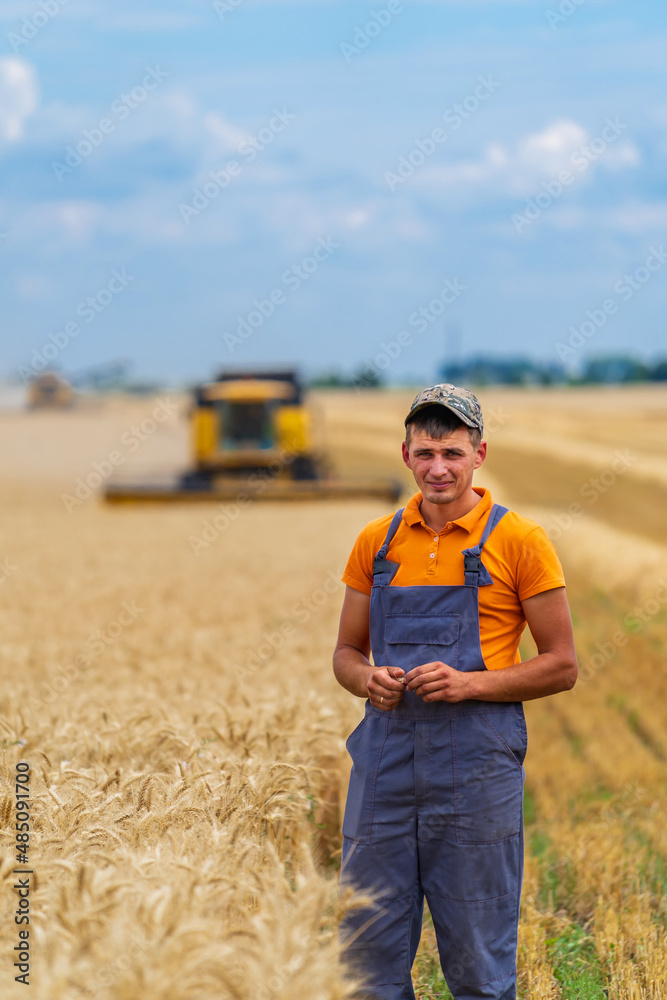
{"x":462,"y":402}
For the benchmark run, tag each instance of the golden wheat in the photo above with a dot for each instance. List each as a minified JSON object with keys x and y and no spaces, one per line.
{"x":188,"y":774}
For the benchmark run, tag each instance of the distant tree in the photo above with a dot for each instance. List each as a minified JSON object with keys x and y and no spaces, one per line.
{"x":658,"y":371}
{"x":553,"y":373}
{"x":367,"y":377}
{"x":364,"y":378}
{"x":328,"y":380}
{"x":484,"y":370}
{"x":614,"y":368}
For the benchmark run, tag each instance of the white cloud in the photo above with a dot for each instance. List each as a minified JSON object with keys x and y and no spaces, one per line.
{"x":624,"y":155}
{"x":18,"y":96}
{"x":549,"y":151}
{"x":639,"y":217}
{"x":536,"y":157}
{"x":151,"y":21}
{"x":227,"y":134}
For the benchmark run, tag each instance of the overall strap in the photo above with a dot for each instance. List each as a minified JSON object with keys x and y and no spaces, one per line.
{"x":476,"y":574}
{"x":379,"y":562}
{"x":495,"y":515}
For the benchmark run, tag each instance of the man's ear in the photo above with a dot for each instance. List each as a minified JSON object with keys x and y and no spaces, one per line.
{"x":481,"y":454}
{"x":406,"y":455}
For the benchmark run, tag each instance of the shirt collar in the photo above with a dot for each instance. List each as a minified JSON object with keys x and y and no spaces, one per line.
{"x":412,"y":514}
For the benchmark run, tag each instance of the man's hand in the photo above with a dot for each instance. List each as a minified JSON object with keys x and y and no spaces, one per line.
{"x":437,"y":681}
{"x":385,"y":690}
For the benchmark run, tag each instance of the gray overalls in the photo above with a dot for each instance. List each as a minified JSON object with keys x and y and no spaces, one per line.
{"x":434,"y":806}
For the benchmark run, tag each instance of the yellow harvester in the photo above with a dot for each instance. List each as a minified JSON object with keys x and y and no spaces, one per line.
{"x":252,"y":436}
{"x":49,"y":391}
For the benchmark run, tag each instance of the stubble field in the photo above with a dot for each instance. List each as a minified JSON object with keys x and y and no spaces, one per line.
{"x":166,"y":672}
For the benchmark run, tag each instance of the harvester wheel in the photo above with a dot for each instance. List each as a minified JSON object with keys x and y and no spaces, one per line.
{"x":304,"y":467}
{"x":196,"y":481}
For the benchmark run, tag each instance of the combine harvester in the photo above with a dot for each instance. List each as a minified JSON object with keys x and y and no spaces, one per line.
{"x":49,"y":391}
{"x":252,"y":436}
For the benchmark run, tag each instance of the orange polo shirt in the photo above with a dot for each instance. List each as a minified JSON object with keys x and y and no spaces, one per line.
{"x":518,"y":554}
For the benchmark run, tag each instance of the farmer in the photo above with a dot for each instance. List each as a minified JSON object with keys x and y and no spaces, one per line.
{"x":440,"y":593}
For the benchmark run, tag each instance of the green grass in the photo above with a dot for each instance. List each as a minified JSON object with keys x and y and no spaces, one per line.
{"x":428,"y":979}
{"x":576,"y":965}
{"x":529,"y":807}
{"x":651,"y":875}
{"x":426,"y":973}
{"x":633,"y":719}
{"x":557,"y":883}
{"x":539,"y":843}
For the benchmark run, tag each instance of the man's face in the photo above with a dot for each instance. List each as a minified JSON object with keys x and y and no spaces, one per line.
{"x":443,"y":467}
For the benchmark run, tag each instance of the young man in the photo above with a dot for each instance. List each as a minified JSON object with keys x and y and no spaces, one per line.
{"x":440,"y":592}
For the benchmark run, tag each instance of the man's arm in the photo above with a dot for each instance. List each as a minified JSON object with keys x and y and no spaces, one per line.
{"x":554,"y":668}
{"x":352,"y":668}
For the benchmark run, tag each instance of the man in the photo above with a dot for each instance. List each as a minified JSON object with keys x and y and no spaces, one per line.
{"x":440,"y":592}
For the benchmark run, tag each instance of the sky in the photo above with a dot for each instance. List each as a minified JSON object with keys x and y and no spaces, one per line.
{"x":335,"y":184}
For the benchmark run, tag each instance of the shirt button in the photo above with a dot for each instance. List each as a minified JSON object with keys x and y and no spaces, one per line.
{"x":432,"y":555}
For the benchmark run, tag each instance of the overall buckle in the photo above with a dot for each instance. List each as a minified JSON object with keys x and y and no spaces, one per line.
{"x":472,"y":564}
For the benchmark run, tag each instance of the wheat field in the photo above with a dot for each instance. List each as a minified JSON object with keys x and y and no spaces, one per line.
{"x":166,"y":673}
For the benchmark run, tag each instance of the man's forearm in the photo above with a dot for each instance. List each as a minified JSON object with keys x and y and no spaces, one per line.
{"x":543,"y":675}
{"x":352,"y":670}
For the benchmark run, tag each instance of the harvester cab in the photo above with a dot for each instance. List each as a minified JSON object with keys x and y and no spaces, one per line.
{"x":245,"y":422}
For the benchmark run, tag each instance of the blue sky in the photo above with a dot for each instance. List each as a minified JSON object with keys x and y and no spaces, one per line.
{"x":531,"y":136}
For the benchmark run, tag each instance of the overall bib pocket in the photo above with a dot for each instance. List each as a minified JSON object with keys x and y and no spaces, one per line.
{"x":416,"y":639}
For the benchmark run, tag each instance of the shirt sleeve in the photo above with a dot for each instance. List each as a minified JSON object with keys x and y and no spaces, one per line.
{"x":359,"y":569}
{"x":538,"y":565}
